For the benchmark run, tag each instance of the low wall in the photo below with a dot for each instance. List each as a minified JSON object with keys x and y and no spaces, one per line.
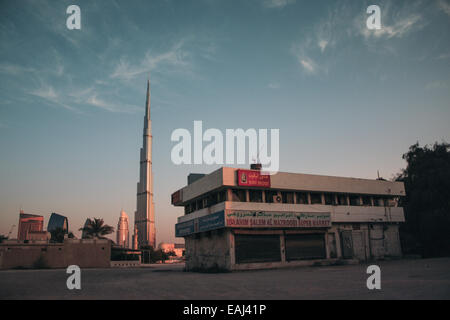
{"x":92,"y":253}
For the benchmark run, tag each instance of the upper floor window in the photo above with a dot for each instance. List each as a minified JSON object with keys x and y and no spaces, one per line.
{"x":270,"y":194}
{"x":355,"y":200}
{"x":330,"y":198}
{"x":287,"y":197}
{"x":302,"y":198}
{"x":238,"y":195}
{"x":342,"y":200}
{"x":316,"y":198}
{"x":255,"y":195}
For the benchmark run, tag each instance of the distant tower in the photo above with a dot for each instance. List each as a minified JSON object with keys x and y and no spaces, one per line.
{"x":123,"y":234}
{"x":144,"y":217}
{"x":135,"y":238}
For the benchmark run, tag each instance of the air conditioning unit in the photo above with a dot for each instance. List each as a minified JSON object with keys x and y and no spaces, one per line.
{"x":277,"y":199}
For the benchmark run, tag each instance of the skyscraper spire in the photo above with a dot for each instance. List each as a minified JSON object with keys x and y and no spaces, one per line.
{"x":145,"y":210}
{"x":147,"y":102}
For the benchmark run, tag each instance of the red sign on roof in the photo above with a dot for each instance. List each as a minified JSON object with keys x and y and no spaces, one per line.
{"x":253,"y":178}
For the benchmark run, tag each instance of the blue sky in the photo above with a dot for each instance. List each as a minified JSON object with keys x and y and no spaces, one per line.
{"x":347,"y":100}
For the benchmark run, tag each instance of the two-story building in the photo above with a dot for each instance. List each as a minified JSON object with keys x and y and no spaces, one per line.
{"x":236,"y":219}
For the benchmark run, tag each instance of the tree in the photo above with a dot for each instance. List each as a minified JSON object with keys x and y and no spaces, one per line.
{"x":96,"y":228}
{"x":427,"y":201}
{"x":3,"y":238}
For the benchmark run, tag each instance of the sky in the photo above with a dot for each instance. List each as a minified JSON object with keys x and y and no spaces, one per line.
{"x":348,"y":101}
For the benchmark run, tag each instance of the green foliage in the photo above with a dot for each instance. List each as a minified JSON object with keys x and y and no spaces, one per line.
{"x":427,"y":201}
{"x":96,"y":228}
{"x":155,"y":255}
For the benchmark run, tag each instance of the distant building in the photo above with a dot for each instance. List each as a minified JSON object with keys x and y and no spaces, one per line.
{"x":43,"y":236}
{"x":84,"y":234}
{"x":123,"y":233}
{"x":29,"y":223}
{"x":177,"y":248}
{"x":144,"y":217}
{"x":239,"y":219}
{"x":58,"y":221}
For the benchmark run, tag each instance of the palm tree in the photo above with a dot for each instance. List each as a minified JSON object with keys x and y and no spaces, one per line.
{"x":95,"y":228}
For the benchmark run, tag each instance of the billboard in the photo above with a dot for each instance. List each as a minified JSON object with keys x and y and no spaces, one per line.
{"x":254,"y":219}
{"x":261,"y":219}
{"x":253,"y":178}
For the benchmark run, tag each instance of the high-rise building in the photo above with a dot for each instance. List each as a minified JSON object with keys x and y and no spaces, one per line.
{"x":58,"y":221}
{"x":29,"y":223}
{"x":144,"y":217}
{"x":123,"y":234}
{"x":84,"y":234}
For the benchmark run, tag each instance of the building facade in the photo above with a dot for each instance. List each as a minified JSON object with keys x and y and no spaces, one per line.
{"x":177,"y":248}
{"x":58,"y":221}
{"x":242,"y":219}
{"x":144,"y":217}
{"x":29,"y":223}
{"x":123,"y":233}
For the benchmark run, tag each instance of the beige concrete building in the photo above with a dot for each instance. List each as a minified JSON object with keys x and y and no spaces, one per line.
{"x":177,"y":248}
{"x":242,"y":219}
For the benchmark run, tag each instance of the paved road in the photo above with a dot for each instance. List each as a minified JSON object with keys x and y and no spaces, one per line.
{"x":401,"y":279}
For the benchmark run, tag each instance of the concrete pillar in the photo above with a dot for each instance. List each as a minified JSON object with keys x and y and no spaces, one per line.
{"x":322,"y":197}
{"x":338,"y":243}
{"x":229,"y":195}
{"x":327,"y":247}
{"x":232,"y":249}
{"x":247,"y":195}
{"x":283,"y":247}
{"x":309,"y":197}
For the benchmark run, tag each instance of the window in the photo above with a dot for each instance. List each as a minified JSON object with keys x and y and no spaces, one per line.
{"x":211,"y":200}
{"x":269,"y":195}
{"x":255,"y":195}
{"x":355,"y":200}
{"x":366,"y":201}
{"x":378,"y":202}
{"x":238,"y":195}
{"x":221,"y":196}
{"x":199,"y":204}
{"x":316,"y":198}
{"x":329,"y":198}
{"x":342,"y":200}
{"x":302,"y":198}
{"x":287,"y":197}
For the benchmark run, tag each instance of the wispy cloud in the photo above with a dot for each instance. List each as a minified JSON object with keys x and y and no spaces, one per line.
{"x":444,"y":6}
{"x":176,"y":57}
{"x":396,"y":30}
{"x":48,"y":93}
{"x":14,"y":69}
{"x":277,"y":3}
{"x":273,"y":85}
